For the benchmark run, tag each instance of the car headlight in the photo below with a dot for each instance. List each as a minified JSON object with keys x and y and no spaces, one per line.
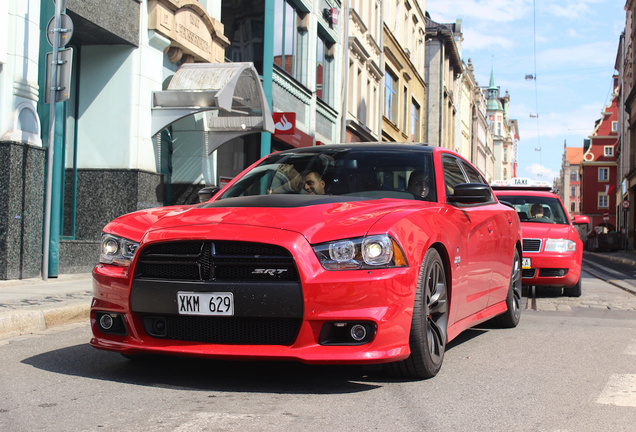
{"x":375,"y":251}
{"x":560,"y":245}
{"x":117,"y":250}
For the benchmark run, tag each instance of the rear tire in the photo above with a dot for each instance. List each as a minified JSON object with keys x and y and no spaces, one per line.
{"x":430,"y":320}
{"x":574,"y":290}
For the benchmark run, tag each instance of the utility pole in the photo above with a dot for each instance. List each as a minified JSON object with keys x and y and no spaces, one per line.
{"x":58,"y":72}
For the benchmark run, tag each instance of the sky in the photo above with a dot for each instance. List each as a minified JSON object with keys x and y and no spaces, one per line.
{"x":570,"y":46}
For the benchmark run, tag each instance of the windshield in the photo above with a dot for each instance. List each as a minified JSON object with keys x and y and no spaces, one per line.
{"x":537,"y":209}
{"x":368,"y":173}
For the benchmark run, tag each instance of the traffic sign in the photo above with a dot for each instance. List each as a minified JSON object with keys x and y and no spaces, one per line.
{"x":65,"y":31}
{"x":626,"y":203}
{"x":63,"y":84}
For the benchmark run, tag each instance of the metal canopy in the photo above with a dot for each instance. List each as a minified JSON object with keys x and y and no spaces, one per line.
{"x":231,"y":92}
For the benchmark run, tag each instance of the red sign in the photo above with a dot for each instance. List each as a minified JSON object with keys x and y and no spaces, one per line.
{"x":284,"y":123}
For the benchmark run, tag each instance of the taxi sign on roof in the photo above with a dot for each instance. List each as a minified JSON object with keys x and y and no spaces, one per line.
{"x":521,"y":182}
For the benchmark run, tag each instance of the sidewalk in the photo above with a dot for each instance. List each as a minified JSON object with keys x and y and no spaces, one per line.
{"x":31,"y":305}
{"x":621,"y":256}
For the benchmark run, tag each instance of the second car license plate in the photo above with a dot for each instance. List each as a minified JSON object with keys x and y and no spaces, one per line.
{"x":525,"y":263}
{"x":211,"y":304}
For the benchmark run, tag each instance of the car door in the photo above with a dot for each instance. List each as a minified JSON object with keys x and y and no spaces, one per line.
{"x":501,"y":258}
{"x":473,"y":255}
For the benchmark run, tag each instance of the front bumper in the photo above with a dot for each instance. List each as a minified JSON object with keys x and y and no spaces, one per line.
{"x":380,"y":299}
{"x":552,"y":269}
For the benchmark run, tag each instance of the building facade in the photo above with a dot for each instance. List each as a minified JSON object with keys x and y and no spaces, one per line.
{"x":330,"y":70}
{"x":626,"y":164}
{"x":599,"y":167}
{"x":442,"y":71}
{"x":405,"y":91}
{"x":107,"y":162}
{"x":364,"y":57}
{"x":482,"y":155}
{"x":505,"y":131}
{"x":568,"y":184}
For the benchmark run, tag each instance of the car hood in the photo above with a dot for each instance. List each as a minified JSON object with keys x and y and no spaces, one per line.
{"x":546,"y":230}
{"x":318,"y":219}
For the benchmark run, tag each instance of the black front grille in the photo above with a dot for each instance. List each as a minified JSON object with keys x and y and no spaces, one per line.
{"x":531,"y":245}
{"x":216,"y":261}
{"x":528,"y":273}
{"x":225,"y":330}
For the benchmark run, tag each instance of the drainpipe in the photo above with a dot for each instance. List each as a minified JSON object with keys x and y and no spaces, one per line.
{"x":442,"y":50}
{"x":345,"y":93}
{"x":268,"y":70}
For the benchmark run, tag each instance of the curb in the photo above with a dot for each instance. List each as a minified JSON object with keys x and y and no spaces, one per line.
{"x":19,"y":322}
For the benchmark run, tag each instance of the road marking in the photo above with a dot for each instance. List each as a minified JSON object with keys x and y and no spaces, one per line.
{"x":620,"y":390}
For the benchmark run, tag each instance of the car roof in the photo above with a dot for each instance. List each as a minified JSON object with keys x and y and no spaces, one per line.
{"x":418,"y":147}
{"x":524,"y":192}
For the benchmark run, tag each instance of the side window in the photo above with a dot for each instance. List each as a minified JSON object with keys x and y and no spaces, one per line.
{"x":453,"y":174}
{"x":473,"y":175}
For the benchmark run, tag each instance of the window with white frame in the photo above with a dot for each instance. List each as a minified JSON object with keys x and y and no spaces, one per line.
{"x":603,"y":201}
{"x":614,"y":126}
{"x":288,"y":38}
{"x":574,"y":175}
{"x":415,"y":121}
{"x":573,"y":191}
{"x":390,"y":96}
{"x":405,"y":109}
{"x":603,"y":174}
{"x":608,"y":151}
{"x":324,"y":70}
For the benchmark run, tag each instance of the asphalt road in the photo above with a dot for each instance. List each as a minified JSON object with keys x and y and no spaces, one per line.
{"x":559,"y":370}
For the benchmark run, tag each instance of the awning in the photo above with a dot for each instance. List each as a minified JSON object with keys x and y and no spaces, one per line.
{"x":231,"y":94}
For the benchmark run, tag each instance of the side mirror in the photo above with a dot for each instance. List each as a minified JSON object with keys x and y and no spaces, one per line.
{"x":581,"y":220}
{"x":471,"y":193}
{"x":207,"y":192}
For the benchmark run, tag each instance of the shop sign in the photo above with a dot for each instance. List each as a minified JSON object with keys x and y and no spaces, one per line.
{"x":284,"y":123}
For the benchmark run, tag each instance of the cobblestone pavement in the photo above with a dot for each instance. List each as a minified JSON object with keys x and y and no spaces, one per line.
{"x":605,"y":296}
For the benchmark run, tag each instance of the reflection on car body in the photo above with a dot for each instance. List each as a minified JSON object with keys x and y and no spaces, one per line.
{"x":367,"y":272}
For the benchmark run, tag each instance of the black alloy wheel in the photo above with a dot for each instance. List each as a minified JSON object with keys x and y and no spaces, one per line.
{"x":511,"y":317}
{"x":429,"y":324}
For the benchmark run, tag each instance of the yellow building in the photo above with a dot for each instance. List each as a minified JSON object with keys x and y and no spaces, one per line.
{"x":405,"y":93}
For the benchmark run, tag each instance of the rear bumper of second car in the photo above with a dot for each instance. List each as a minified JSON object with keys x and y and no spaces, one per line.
{"x":552,"y":269}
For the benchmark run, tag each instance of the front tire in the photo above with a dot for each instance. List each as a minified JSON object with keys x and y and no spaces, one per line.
{"x":430,"y":320}
{"x":574,"y":290}
{"x":511,"y":317}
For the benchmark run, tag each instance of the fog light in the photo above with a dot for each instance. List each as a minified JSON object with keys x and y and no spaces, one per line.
{"x":111,"y":323}
{"x":156,"y":326}
{"x":347,"y":333}
{"x":358,"y":332}
{"x":106,"y":322}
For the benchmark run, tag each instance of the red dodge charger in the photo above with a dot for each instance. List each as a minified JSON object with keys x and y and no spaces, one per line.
{"x":374,"y":253}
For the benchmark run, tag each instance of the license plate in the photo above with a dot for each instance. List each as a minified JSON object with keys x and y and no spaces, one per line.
{"x":525,"y":263}
{"x":210,"y":304}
